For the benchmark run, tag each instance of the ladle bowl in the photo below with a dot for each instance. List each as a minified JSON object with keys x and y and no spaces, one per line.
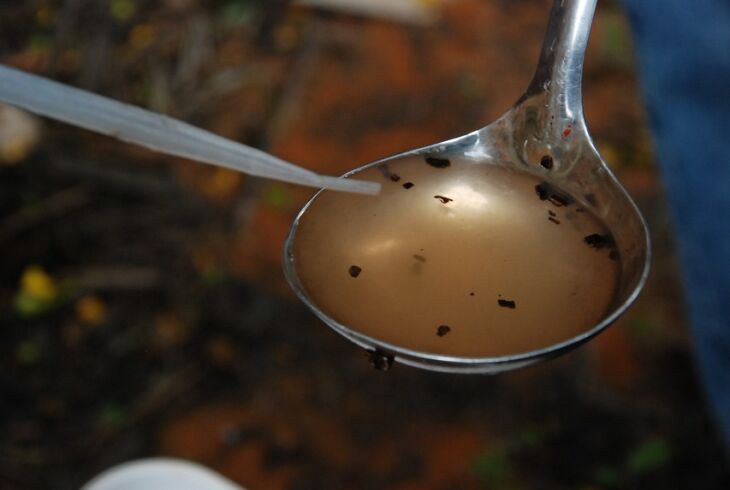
{"x":543,"y":135}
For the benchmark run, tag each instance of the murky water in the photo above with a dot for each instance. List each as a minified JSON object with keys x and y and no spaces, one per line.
{"x":457,"y":258}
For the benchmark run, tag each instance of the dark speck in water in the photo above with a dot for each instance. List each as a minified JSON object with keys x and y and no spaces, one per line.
{"x":543,"y":191}
{"x":552,"y":213}
{"x":394,"y":177}
{"x":547,"y":162}
{"x":419,"y":258}
{"x":382,"y":361}
{"x":443,"y":330}
{"x":355,"y":270}
{"x":546,"y":191}
{"x":550,"y":218}
{"x":598,"y":241}
{"x":471,"y":294}
{"x":408,"y":185}
{"x":506,"y":303}
{"x":444,"y":199}
{"x":438,"y":162}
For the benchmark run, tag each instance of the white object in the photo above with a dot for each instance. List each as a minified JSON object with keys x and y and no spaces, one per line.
{"x":408,"y":11}
{"x":160,"y":474}
{"x":19,"y":133}
{"x":155,"y":131}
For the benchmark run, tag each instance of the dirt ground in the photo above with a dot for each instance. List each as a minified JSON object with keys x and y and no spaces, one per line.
{"x":143,"y":309}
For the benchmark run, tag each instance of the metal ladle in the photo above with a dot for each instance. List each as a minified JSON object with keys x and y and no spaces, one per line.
{"x":548,"y":118}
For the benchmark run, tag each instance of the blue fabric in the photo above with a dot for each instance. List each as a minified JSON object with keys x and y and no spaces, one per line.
{"x":684,"y":60}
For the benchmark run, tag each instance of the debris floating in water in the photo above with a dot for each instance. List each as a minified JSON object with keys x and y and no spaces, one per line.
{"x":438,"y":162}
{"x":506,"y":303}
{"x":546,"y":191}
{"x":443,"y":330}
{"x":443,"y":199}
{"x":598,"y":241}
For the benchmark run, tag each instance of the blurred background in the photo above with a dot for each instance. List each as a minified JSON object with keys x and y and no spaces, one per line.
{"x":143,"y":310}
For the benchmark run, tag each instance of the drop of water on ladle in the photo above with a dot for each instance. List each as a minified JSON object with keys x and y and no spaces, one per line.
{"x":487,"y":252}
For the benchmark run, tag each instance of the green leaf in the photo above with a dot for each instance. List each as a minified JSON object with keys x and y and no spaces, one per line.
{"x":643,"y":328}
{"x":492,"y":467}
{"x":608,"y":477}
{"x":30,"y":306}
{"x":649,"y":456}
{"x":41,"y":43}
{"x":236,"y":11}
{"x":614,"y":42}
{"x":111,"y":415}
{"x":214,"y":276}
{"x":27,"y":352}
{"x":532,"y":438}
{"x":277,"y":196}
{"x":122,"y":10}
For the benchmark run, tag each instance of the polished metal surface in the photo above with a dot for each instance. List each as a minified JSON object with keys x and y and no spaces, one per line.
{"x":547,"y":119}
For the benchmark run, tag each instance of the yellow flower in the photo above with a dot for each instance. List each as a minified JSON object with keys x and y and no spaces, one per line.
{"x":37,"y":283}
{"x":38,"y":291}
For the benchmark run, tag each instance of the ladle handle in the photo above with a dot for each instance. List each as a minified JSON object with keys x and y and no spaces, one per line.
{"x":560,"y":69}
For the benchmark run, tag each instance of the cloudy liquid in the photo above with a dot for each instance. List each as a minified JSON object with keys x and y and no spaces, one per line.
{"x":457,"y":258}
